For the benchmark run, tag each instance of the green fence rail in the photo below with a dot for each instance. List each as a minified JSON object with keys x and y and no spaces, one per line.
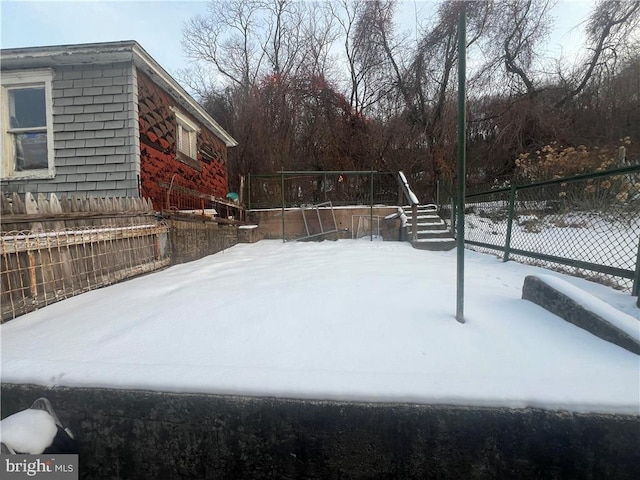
{"x":587,"y":225}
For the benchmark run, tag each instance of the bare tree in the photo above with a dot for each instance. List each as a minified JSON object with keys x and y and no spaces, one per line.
{"x":380,"y":56}
{"x":611,"y":25}
{"x":346,"y":13}
{"x":518,"y":28}
{"x":334,"y":84}
{"x":319,"y":33}
{"x":229,"y":40}
{"x":283,"y":44}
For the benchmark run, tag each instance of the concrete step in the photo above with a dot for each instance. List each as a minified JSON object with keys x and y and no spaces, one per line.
{"x":431,"y":231}
{"x":426,"y":234}
{"x":438,"y":222}
{"x":420,"y":211}
{"x":421,"y":207}
{"x":426,"y":219}
{"x":435,"y":244}
{"x":429,"y":227}
{"x":424,"y":215}
{"x":408,"y":213}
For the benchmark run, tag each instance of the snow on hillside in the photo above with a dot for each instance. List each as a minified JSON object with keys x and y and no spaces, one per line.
{"x":345,"y":320}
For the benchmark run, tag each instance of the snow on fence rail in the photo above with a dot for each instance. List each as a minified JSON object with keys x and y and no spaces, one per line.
{"x":61,"y":248}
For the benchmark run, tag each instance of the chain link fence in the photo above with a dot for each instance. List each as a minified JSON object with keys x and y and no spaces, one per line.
{"x":587,"y":225}
{"x":294,"y":189}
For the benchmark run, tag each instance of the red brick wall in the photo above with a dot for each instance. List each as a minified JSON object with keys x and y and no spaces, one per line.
{"x":159,"y":165}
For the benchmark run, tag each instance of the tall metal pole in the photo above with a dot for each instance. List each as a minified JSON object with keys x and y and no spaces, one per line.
{"x":507,"y":242}
{"x":371,"y":205}
{"x":249,"y":191}
{"x":462,"y":159}
{"x":283,"y":204}
{"x":635,"y":288}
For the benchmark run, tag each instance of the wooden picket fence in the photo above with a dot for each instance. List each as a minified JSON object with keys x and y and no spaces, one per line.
{"x":52,"y":249}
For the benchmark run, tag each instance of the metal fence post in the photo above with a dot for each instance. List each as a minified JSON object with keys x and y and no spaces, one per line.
{"x":324,"y":186}
{"x":635,"y":289}
{"x":507,"y":240}
{"x":453,"y":217}
{"x":249,"y":191}
{"x":414,"y":222}
{"x":283,"y":203}
{"x":462,"y":158}
{"x":371,"y":211}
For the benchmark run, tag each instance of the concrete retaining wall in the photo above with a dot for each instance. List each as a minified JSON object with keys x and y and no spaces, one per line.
{"x":536,"y":290}
{"x":192,"y":239}
{"x":145,"y":435}
{"x":270,"y":221}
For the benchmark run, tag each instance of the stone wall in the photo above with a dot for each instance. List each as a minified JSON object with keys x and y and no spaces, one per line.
{"x":192,"y":239}
{"x":145,"y":435}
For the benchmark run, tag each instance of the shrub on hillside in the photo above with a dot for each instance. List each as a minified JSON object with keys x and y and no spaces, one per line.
{"x":555,"y":161}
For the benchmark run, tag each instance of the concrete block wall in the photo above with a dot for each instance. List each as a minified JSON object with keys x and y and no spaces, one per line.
{"x":96,"y":133}
{"x":193,"y":239}
{"x":141,"y":435}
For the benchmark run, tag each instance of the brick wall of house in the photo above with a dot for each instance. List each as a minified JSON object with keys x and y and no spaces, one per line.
{"x":160,"y":166}
{"x":95,"y":133}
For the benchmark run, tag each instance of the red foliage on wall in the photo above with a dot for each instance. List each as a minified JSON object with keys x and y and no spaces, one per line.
{"x":159,"y":165}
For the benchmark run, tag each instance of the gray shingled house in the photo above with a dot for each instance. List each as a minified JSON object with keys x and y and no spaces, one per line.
{"x":101,"y":120}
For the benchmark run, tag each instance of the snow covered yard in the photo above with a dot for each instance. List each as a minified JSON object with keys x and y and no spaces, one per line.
{"x":345,"y":320}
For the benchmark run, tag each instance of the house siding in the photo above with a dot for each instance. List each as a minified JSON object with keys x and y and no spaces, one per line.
{"x":95,"y":129}
{"x":159,"y":163}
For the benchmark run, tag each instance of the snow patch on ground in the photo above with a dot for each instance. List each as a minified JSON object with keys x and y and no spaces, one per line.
{"x":344,"y":320}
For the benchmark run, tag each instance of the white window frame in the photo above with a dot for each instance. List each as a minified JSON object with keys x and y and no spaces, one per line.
{"x":184,"y":126}
{"x":25,"y":79}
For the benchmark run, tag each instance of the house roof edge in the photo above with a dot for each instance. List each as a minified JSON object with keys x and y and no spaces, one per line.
{"x":146,"y":62}
{"x":110,"y":52}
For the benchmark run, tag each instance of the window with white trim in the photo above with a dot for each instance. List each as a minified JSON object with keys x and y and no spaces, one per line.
{"x":27,"y":124}
{"x":187,"y":135}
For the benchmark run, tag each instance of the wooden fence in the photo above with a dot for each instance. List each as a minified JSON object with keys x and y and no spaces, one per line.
{"x":52,"y":249}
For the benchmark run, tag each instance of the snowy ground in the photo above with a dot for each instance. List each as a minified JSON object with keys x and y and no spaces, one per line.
{"x":591,"y":237}
{"x":346,"y":320}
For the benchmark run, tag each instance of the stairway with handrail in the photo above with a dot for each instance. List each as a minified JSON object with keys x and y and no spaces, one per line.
{"x":425,"y":228}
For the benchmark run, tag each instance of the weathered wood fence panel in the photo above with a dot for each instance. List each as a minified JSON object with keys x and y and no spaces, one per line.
{"x":54,"y":249}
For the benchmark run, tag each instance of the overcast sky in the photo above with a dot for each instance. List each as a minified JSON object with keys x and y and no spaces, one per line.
{"x":157,"y":25}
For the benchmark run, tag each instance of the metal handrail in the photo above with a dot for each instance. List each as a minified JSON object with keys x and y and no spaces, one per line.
{"x":413,"y":201}
{"x":406,"y":189}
